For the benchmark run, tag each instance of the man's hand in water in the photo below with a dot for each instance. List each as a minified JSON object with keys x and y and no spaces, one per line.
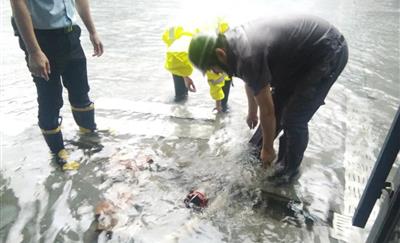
{"x":267,"y":156}
{"x":189,"y":84}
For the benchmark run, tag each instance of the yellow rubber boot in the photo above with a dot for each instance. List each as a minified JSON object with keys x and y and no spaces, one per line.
{"x":84,"y":130}
{"x":55,"y":141}
{"x":84,"y":118}
{"x":66,"y":163}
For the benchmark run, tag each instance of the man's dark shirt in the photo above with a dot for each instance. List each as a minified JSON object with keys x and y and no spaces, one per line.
{"x":280,"y":52}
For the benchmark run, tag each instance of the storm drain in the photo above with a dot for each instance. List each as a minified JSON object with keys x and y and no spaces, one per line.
{"x":356,"y":176}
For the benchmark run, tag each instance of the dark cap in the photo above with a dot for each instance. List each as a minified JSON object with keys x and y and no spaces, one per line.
{"x":202,"y":50}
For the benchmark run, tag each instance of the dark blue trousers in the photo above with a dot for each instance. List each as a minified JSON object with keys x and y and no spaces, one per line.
{"x":68,"y":68}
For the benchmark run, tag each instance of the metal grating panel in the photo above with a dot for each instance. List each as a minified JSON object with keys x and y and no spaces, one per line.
{"x":342,"y":229}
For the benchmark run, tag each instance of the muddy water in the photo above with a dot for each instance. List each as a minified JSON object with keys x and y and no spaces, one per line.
{"x":191,"y":147}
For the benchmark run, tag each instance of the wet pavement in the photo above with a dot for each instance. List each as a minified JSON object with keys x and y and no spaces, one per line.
{"x":191,"y":147}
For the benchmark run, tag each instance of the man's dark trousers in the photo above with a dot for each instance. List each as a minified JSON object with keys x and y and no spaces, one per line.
{"x":294,"y":109}
{"x":68,"y":68}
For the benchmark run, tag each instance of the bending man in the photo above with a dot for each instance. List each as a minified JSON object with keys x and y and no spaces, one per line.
{"x":299,"y":58}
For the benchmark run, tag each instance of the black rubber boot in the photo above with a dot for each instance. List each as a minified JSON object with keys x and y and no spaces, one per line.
{"x":84,"y":118}
{"x":54,"y":140}
{"x":181,"y":92}
{"x":284,"y":175}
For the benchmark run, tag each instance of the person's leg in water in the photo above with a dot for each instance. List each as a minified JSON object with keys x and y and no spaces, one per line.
{"x":226,"y":89}
{"x":281,"y":98}
{"x":50,"y":100}
{"x":75,"y":80}
{"x":294,"y":140}
{"x":296,"y":115}
{"x":49,"y":105}
{"x":181,"y":92}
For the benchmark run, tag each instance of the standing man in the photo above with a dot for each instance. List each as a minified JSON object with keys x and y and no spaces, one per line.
{"x":298,"y":57}
{"x":49,"y":36}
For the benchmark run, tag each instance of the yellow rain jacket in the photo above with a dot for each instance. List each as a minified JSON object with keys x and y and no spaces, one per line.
{"x":216,"y":82}
{"x":177,"y":60}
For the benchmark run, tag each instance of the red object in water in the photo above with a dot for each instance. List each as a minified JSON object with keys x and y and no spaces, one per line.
{"x":195,"y":198}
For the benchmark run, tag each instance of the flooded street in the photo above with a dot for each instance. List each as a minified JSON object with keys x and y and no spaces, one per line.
{"x":192,"y":148}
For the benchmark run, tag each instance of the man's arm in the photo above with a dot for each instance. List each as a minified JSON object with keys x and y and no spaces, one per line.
{"x":37,"y":61}
{"x":267,"y":120}
{"x":82,"y":6}
{"x":252,"y":119}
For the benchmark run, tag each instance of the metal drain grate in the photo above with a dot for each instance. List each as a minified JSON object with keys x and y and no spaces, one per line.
{"x":342,"y":229}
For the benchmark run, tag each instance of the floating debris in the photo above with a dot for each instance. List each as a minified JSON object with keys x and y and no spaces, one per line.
{"x":196,"y":200}
{"x":105,"y":217}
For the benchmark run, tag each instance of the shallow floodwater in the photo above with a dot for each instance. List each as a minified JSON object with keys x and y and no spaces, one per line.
{"x":191,"y":147}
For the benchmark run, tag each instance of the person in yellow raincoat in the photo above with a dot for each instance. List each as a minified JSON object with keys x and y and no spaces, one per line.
{"x":177,"y":39}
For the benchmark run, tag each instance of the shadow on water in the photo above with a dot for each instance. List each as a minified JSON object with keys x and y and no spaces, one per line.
{"x":9,"y":208}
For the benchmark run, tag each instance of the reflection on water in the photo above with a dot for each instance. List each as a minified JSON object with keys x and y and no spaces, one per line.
{"x":191,"y":147}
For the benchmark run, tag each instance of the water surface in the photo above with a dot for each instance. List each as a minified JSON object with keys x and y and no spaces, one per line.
{"x":133,"y":95}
